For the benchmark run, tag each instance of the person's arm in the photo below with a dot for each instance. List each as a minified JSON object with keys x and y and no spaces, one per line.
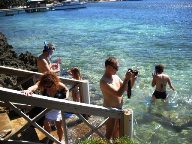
{"x":55,"y":67}
{"x":153,"y":83}
{"x":170,"y":84}
{"x":111,"y":90}
{"x":31,"y":89}
{"x":69,"y":72}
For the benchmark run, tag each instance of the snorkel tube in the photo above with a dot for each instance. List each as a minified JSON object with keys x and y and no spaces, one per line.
{"x":45,"y":45}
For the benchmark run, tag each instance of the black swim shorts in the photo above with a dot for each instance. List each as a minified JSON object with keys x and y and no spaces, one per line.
{"x":160,"y":95}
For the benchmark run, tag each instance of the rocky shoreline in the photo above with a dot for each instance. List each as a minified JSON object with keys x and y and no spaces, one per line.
{"x":26,"y":61}
{"x":9,"y":58}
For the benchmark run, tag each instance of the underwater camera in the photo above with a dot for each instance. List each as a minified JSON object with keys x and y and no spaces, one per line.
{"x":135,"y":72}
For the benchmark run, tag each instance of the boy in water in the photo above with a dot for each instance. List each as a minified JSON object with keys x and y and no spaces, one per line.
{"x":160,"y":81}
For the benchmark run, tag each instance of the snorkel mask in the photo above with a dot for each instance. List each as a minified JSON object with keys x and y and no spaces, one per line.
{"x":49,"y":48}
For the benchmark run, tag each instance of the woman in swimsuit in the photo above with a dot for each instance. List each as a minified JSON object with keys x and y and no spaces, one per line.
{"x":50,"y":85}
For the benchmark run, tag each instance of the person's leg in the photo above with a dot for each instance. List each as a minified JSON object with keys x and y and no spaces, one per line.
{"x":155,"y":96}
{"x":59,"y":129}
{"x":153,"y":99}
{"x":116,"y":130}
{"x":47,"y":125}
{"x":110,"y":125}
{"x":76,"y":96}
{"x":164,"y":97}
{"x":164,"y":100}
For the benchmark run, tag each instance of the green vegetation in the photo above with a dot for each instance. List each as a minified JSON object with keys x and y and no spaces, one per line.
{"x":123,"y":140}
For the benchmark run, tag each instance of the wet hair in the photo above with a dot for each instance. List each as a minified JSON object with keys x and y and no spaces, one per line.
{"x":159,"y":68}
{"x":49,"y":78}
{"x":111,"y":61}
{"x":76,"y":72}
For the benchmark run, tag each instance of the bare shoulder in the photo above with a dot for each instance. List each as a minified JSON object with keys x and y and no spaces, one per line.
{"x":41,"y":61}
{"x":102,"y":80}
{"x":61,"y":84}
{"x":166,"y":75}
{"x":103,"y":84}
{"x":40,"y":57}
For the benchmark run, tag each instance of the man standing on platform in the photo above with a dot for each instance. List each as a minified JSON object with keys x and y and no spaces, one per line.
{"x":113,"y":88}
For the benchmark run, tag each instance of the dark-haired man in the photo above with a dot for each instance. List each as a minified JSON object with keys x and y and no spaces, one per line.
{"x":113,"y":88}
{"x":160,"y":81}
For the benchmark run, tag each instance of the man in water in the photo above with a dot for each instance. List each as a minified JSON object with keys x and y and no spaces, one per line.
{"x":43,"y":63}
{"x":113,"y":88}
{"x":160,"y":81}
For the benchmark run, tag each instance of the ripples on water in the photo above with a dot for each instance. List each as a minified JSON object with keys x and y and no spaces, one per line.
{"x":140,"y":34}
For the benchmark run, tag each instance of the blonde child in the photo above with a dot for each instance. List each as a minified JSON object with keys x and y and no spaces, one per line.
{"x":75,"y":73}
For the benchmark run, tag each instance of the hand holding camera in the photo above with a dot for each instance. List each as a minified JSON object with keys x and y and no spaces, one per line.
{"x":128,"y":75}
{"x":134,"y":73}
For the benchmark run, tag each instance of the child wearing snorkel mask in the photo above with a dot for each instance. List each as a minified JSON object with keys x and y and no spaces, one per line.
{"x":49,"y":48}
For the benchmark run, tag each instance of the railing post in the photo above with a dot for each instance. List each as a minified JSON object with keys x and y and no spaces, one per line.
{"x":126,"y":123}
{"x":84,"y":92}
{"x":64,"y":127}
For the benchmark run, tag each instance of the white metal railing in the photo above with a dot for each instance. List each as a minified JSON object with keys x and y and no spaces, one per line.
{"x":27,"y":75}
{"x":12,"y":97}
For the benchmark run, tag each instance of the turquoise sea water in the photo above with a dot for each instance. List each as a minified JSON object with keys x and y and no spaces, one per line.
{"x":140,"y":34}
